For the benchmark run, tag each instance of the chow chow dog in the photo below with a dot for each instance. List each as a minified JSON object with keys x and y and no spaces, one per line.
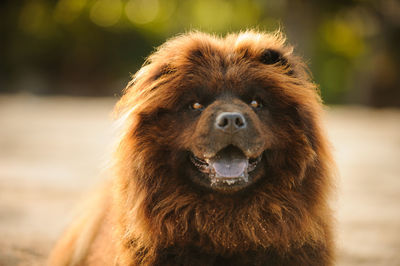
{"x":221,"y":160}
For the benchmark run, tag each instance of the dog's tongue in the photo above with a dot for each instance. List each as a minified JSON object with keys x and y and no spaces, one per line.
{"x":230,"y":162}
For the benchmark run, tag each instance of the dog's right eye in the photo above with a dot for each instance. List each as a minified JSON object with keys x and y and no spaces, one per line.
{"x":256,"y":104}
{"x":196,"y":106}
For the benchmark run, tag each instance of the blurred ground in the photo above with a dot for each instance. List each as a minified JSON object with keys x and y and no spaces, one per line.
{"x":53,"y":150}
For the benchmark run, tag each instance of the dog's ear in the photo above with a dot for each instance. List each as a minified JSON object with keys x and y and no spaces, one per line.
{"x":271,"y":56}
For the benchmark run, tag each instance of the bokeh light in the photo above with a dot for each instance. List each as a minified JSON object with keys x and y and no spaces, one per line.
{"x":106,"y":13}
{"x":142,"y":11}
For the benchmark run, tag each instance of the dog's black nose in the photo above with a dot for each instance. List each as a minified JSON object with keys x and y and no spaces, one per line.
{"x":230,"y":122}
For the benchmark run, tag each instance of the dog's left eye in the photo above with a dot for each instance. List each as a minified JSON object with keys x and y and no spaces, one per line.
{"x":255,"y":104}
{"x":197,"y":106}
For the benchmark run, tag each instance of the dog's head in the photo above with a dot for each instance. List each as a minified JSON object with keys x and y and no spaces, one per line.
{"x":225,"y":113}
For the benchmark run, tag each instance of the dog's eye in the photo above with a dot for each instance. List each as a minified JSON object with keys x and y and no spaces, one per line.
{"x":197,"y":106}
{"x":255,"y":104}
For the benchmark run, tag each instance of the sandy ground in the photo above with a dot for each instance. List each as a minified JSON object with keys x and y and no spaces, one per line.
{"x":53,"y":151}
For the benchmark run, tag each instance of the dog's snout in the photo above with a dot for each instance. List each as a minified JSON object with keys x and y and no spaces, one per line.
{"x":230,"y":122}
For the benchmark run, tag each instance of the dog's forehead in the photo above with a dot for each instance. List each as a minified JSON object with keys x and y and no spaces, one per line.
{"x":230,"y":56}
{"x":182,"y":49}
{"x":253,"y":43}
{"x":231,"y":63}
{"x":231,"y":50}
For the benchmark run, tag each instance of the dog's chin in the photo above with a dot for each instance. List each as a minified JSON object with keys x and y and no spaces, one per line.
{"x":228,"y":171}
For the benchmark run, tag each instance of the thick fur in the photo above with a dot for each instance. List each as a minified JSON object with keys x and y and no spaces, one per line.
{"x":153,"y":214}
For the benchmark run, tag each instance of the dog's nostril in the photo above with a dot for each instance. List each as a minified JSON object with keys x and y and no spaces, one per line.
{"x":230,"y":121}
{"x":223,"y":122}
{"x":239,"y":122}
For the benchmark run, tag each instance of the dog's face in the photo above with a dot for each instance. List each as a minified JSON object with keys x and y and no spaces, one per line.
{"x":228,"y":141}
{"x":227,"y":114}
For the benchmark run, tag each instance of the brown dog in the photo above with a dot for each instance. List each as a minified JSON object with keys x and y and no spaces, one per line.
{"x":221,"y":161}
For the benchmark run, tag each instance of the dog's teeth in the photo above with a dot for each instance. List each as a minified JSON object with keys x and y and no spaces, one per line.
{"x":213,"y":179}
{"x":245,"y":176}
{"x":230,"y":181}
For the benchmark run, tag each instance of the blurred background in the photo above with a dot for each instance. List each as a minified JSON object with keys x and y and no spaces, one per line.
{"x":63,"y":64}
{"x":89,"y":47}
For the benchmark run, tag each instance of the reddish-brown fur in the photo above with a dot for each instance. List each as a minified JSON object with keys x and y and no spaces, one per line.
{"x":155,"y":215}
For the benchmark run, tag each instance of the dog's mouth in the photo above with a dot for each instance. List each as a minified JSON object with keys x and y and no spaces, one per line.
{"x":229,"y":168}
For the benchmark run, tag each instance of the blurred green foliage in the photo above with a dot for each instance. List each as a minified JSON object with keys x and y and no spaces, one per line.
{"x":89,"y":47}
